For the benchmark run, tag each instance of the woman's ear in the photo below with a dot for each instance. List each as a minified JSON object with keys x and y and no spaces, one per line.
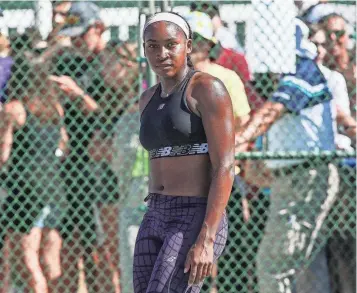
{"x":189,"y":46}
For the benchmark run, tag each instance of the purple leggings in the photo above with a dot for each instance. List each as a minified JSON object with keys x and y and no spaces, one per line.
{"x":169,"y":229}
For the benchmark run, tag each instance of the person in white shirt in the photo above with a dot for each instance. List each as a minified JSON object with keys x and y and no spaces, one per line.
{"x":342,"y":244}
{"x":299,"y":117}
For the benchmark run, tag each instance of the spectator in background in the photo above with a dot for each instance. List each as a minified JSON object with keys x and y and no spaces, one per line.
{"x":32,"y":134}
{"x":100,"y":86}
{"x":298,"y":119}
{"x":338,"y":87}
{"x":338,"y":56}
{"x":221,"y":32}
{"x":342,"y":244}
{"x":6,"y":62}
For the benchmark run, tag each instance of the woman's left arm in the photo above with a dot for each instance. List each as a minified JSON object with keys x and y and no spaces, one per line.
{"x":214,"y":105}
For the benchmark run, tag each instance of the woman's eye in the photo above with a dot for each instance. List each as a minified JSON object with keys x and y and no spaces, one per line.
{"x":170,"y":45}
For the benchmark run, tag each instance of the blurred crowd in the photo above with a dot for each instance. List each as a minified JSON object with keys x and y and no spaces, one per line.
{"x":73,"y":174}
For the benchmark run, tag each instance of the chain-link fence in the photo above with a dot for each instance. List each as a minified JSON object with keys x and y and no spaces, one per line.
{"x":74,"y":176}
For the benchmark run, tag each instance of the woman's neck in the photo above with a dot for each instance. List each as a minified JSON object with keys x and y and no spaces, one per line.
{"x":168,"y":84}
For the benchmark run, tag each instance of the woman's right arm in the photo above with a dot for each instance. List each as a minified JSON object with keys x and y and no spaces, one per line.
{"x":15,"y":117}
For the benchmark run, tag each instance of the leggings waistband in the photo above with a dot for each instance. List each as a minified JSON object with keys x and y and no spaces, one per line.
{"x":160,"y":201}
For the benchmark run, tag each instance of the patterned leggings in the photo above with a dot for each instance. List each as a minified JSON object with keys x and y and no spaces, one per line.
{"x":169,"y":229}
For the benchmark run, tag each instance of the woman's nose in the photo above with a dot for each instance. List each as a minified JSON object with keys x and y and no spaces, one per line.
{"x":162,"y":53}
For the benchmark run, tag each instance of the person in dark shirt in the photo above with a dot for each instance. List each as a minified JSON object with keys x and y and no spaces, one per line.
{"x":33,"y":132}
{"x":100,"y":84}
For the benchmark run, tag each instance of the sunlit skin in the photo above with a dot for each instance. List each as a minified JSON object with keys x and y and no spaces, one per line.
{"x":166,"y":48}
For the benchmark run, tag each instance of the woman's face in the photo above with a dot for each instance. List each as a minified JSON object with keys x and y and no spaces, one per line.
{"x":166,"y":48}
{"x":319,"y":39}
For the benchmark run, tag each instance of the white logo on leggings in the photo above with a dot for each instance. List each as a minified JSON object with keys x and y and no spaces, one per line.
{"x":171,"y":259}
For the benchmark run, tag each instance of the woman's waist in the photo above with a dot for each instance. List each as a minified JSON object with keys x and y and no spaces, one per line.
{"x":180,"y":165}
{"x":180,"y":179}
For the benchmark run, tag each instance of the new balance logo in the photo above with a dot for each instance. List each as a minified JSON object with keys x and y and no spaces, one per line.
{"x":180,"y":150}
{"x":161,"y":106}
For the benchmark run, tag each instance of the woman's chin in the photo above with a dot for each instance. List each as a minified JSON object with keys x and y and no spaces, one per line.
{"x":165,"y":72}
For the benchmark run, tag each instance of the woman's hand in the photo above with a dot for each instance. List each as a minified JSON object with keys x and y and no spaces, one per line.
{"x":199,"y":261}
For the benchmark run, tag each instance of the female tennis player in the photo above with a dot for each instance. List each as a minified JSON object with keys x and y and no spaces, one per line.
{"x":187,"y":127}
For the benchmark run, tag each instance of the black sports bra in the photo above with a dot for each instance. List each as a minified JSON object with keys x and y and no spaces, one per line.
{"x":168,"y":128}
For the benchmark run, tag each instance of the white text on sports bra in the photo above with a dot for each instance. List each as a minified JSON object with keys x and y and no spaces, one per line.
{"x":181,"y":150}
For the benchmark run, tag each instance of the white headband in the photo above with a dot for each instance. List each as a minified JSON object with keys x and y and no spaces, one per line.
{"x":169,"y":17}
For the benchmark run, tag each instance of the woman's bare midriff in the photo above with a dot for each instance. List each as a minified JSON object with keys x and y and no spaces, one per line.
{"x":183,"y":176}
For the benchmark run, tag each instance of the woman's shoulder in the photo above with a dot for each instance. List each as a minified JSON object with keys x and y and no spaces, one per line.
{"x":204,"y":79}
{"x":206,"y":83}
{"x":206,"y":91}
